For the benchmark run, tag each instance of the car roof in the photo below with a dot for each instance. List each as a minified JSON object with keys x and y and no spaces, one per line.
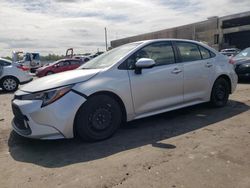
{"x":144,"y":42}
{"x":167,"y":39}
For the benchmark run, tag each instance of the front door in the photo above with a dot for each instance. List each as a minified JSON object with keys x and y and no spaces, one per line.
{"x":159,"y":87}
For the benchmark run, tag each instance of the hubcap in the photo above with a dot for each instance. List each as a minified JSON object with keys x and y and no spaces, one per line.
{"x":9,"y":84}
{"x":101,"y":119}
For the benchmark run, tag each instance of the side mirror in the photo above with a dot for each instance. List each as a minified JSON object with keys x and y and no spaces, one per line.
{"x":143,"y":63}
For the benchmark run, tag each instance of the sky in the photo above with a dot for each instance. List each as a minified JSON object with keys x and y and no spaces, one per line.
{"x":52,"y":26}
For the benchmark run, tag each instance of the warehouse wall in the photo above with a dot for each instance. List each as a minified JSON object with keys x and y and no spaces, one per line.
{"x":210,"y":31}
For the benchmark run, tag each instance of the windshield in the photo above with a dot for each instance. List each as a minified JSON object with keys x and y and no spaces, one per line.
{"x":109,"y":58}
{"x":244,"y":54}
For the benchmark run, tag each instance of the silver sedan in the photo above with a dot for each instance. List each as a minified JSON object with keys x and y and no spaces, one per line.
{"x":132,"y":81}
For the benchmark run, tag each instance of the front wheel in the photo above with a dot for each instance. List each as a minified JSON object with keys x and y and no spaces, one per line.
{"x":220,"y":93}
{"x":9,"y":84}
{"x":98,"y":118}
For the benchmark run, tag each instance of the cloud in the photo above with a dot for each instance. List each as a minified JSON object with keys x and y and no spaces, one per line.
{"x":52,"y":26}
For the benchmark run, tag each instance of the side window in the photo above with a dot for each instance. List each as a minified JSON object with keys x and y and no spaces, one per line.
{"x":188,"y":51}
{"x":66,"y":63}
{"x":63,"y":63}
{"x":212,"y":54}
{"x":60,"y":64}
{"x":4,"y":63}
{"x":75,"y":62}
{"x":204,"y":53}
{"x":161,"y":52}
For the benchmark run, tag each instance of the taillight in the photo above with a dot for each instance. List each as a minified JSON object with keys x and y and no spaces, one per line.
{"x":231,"y":61}
{"x":23,"y":68}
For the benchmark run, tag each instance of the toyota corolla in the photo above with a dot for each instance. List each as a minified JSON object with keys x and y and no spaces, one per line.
{"x":132,"y":81}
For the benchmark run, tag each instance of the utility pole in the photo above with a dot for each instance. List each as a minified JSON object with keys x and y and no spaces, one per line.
{"x":106,"y":40}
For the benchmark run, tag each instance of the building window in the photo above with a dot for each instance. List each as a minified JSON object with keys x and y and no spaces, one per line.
{"x":216,"y":39}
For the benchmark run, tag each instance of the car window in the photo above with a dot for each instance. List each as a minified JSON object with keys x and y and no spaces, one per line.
{"x":188,"y":51}
{"x":4,"y":63}
{"x":75,"y":62}
{"x":161,"y":52}
{"x":205,"y":53}
{"x":244,"y":54}
{"x":86,"y":59}
{"x":64,"y":63}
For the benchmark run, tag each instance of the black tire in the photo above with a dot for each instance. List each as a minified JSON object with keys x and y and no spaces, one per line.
{"x":49,"y":73}
{"x":98,"y":118}
{"x":220,"y":93}
{"x":9,"y":84}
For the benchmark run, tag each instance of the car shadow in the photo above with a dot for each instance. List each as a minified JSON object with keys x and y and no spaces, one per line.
{"x":244,"y":81}
{"x":152,"y":130}
{"x":5,"y":92}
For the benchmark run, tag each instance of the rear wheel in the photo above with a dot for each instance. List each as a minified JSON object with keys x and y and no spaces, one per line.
{"x":220,"y":93}
{"x":9,"y":84}
{"x":98,"y":118}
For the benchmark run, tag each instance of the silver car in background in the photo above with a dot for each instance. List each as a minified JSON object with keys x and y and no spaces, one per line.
{"x":12,"y":75}
{"x":132,"y":81}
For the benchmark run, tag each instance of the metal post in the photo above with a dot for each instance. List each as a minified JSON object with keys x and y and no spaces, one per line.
{"x":106,"y":40}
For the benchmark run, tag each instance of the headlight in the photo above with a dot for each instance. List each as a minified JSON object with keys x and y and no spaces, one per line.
{"x":48,"y":96}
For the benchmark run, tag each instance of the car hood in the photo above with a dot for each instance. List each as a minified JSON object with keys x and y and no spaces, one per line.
{"x":60,"y":79}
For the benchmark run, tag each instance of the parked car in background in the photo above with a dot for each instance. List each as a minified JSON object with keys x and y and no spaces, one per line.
{"x":242,"y":63}
{"x":129,"y":82}
{"x":82,"y":58}
{"x":230,"y":51}
{"x":59,"y":66}
{"x":12,"y":74}
{"x":30,"y":60}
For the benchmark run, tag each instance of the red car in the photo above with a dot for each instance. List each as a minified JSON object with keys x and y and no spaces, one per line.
{"x":59,"y":66}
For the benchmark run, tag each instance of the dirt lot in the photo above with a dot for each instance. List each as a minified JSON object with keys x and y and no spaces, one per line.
{"x":194,"y":147}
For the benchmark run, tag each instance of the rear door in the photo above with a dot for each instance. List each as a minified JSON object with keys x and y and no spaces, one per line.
{"x":159,"y":87}
{"x":197,"y":68}
{"x":62,"y":66}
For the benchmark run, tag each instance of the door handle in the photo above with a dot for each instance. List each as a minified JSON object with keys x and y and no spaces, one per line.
{"x":209,"y":64}
{"x":176,"y":71}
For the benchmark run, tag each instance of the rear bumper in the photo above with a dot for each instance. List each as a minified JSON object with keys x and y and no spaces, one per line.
{"x":234,"y":81}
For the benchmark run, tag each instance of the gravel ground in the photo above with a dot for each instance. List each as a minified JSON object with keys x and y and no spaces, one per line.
{"x":194,"y":147}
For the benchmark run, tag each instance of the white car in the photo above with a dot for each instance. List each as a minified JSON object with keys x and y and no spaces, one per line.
{"x":132,"y":81}
{"x":11,"y":75}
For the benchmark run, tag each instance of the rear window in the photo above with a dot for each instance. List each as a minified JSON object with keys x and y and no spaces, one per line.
{"x":205,"y":53}
{"x":188,"y":51}
{"x":4,"y":63}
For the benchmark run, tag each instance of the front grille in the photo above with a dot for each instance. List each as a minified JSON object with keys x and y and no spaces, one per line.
{"x":20,"y":121}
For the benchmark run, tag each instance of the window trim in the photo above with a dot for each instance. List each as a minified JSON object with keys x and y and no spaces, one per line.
{"x":199,"y":46}
{"x":179,"y":53}
{"x":124,"y":65}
